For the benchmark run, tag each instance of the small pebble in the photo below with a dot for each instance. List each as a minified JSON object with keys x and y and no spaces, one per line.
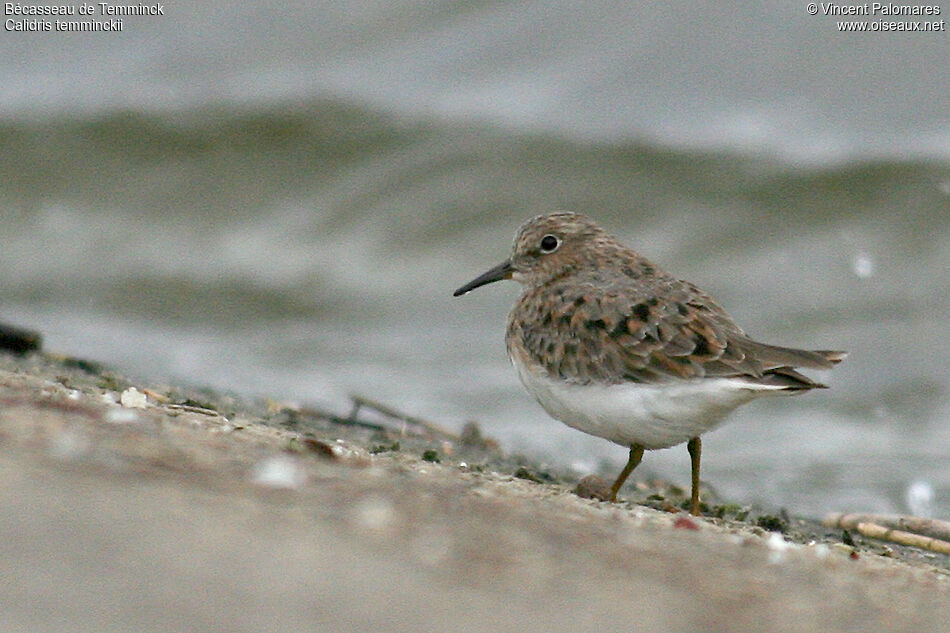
{"x":331,"y":451}
{"x":685,"y":523}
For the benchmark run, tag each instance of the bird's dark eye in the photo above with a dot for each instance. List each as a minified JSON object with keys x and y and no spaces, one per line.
{"x":549,"y":244}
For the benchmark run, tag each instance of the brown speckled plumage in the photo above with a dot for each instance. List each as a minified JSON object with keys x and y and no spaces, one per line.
{"x":596,"y":311}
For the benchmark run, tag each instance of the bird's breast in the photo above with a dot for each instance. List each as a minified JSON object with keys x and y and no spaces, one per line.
{"x":652,"y":415}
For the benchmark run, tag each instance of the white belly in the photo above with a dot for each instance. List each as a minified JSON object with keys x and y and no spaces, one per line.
{"x":654,"y":416}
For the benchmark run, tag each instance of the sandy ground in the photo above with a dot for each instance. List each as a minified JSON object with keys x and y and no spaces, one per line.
{"x":258,"y":518}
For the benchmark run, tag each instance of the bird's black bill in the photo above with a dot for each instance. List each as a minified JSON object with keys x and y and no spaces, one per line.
{"x":499,"y":272}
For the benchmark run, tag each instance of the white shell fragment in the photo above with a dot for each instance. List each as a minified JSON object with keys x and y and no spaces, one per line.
{"x":778,"y":546}
{"x":133,"y":399}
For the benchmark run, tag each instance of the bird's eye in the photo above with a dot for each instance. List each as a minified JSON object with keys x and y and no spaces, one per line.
{"x":549,"y":244}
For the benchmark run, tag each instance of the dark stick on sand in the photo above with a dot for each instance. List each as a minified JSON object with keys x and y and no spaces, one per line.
{"x":360,"y":402}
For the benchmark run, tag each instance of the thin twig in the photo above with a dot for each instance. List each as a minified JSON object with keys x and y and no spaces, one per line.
{"x":320,"y":414}
{"x":360,"y":401}
{"x":190,"y":408}
{"x":873,"y":530}
{"x":933,"y":528}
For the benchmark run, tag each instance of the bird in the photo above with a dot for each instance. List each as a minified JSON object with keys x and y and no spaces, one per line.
{"x":610,"y":344}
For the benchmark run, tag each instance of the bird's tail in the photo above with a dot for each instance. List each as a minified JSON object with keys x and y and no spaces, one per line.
{"x":773,"y":356}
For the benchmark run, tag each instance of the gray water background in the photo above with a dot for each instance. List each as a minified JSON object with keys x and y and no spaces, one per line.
{"x":280,"y":200}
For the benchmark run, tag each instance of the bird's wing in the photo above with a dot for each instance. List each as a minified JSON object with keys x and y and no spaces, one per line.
{"x":668,"y":331}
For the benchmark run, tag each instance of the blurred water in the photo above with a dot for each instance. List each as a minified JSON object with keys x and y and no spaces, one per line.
{"x":282,"y":204}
